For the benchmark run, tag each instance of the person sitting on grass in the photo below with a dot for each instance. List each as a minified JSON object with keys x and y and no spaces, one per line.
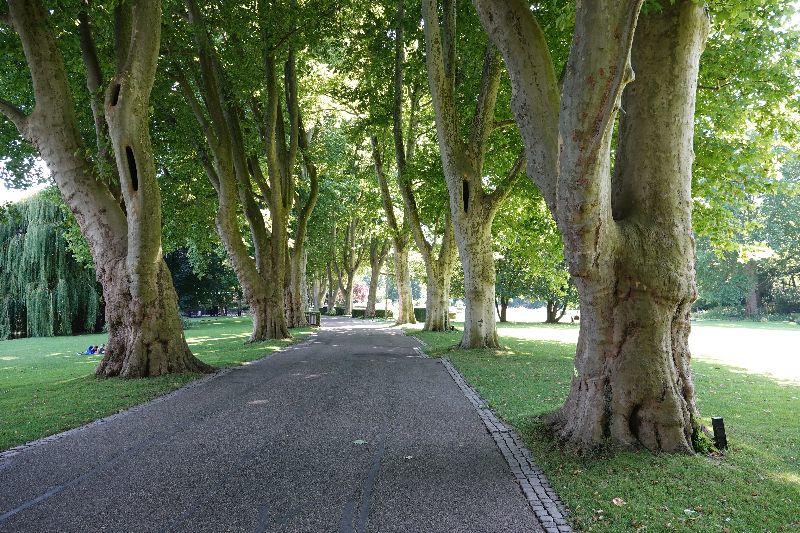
{"x":88,"y":350}
{"x":102,"y":349}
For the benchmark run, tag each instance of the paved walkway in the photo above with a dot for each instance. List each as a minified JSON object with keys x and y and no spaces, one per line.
{"x":348,"y":432}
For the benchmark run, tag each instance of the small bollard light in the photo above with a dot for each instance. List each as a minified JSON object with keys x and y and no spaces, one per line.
{"x":720,"y":439}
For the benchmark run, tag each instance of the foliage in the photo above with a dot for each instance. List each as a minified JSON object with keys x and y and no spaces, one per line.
{"x":213,"y":290}
{"x":44,"y":291}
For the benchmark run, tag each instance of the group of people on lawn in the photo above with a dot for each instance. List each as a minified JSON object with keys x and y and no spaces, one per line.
{"x":94,"y":350}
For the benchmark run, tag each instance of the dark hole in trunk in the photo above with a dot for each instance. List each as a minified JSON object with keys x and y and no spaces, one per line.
{"x":115,"y":94}
{"x":465,"y":194}
{"x":134,"y":173}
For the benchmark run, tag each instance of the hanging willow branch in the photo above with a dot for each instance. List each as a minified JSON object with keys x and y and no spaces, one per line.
{"x":44,"y":291}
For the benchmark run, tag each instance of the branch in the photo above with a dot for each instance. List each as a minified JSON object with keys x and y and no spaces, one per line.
{"x":397,"y":107}
{"x":504,"y":187}
{"x":483,"y":121}
{"x":258,"y":176}
{"x":441,"y":76}
{"x":15,"y":115}
{"x":536,"y":103}
{"x":386,"y":197}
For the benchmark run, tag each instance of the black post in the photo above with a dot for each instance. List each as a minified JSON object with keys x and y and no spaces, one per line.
{"x":720,"y":439}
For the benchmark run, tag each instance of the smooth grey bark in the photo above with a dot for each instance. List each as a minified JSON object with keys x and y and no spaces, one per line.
{"x":627,"y":237}
{"x":145,"y":333}
{"x":751,"y":301}
{"x":472,"y":207}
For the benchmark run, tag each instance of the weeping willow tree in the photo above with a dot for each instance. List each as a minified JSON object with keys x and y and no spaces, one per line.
{"x":44,"y":291}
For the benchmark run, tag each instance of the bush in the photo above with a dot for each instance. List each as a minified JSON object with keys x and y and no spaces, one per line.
{"x":339,"y":311}
{"x":382,"y":313}
{"x":786,"y":300}
{"x":420,"y":313}
{"x":359,"y":313}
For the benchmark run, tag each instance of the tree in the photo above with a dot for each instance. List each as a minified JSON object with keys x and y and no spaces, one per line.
{"x":378,"y":251}
{"x":627,"y":235}
{"x":113,"y":193}
{"x":44,"y":290}
{"x":401,"y":241}
{"x":472,"y":207}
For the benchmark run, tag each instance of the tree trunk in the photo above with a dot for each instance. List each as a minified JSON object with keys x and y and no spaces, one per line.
{"x":503,"y":308}
{"x":633,"y":383}
{"x":372,"y":296}
{"x":144,"y":338}
{"x":333,"y":289}
{"x":552,"y":307}
{"x":437,"y":306}
{"x":318,"y":290}
{"x":474,"y":240}
{"x":405,"y":303}
{"x":348,"y":295}
{"x":296,"y":301}
{"x":752,"y":299}
{"x":269,"y":319}
{"x":145,"y":335}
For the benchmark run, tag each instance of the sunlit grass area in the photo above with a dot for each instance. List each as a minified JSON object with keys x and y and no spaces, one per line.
{"x":754,"y":486}
{"x":45,"y":387}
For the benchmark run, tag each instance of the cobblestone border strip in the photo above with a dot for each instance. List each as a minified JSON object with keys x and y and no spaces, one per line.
{"x":544,"y":501}
{"x":6,"y":456}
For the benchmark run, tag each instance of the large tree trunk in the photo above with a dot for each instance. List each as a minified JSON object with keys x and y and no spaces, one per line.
{"x":348,"y":294}
{"x":474,"y":240}
{"x":372,"y":295}
{"x":405,"y":302}
{"x":633,"y":383}
{"x":145,"y":336}
{"x":333,"y":289}
{"x":296,"y":300}
{"x":437,"y":306}
{"x":318,"y":289}
{"x":378,"y":251}
{"x":552,"y":310}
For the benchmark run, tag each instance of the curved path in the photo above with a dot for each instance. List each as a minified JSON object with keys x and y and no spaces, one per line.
{"x":350,"y":431}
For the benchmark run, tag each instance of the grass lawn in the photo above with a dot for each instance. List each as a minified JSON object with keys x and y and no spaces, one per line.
{"x":754,"y":487}
{"x":46,"y":388}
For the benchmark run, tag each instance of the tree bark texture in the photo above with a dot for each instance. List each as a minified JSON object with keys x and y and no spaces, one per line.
{"x":627,"y":236}
{"x":145,"y":334}
{"x":402,"y":277}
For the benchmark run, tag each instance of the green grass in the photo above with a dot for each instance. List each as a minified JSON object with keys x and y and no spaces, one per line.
{"x":753,"y":487}
{"x":46,"y":388}
{"x":747,"y":324}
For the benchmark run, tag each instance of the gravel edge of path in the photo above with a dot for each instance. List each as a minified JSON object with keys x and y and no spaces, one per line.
{"x":7,"y":455}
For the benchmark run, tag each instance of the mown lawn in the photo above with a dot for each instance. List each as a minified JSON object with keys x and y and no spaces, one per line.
{"x":46,"y":388}
{"x":753,"y":487}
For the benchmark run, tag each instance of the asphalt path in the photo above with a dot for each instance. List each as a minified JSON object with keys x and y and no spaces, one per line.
{"x":350,"y":431}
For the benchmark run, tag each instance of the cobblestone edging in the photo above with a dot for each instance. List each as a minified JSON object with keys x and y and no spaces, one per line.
{"x":6,"y":456}
{"x":544,"y":501}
